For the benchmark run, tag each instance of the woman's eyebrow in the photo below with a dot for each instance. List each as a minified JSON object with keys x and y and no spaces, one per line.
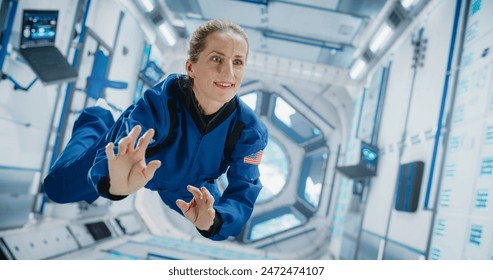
{"x":222,"y":54}
{"x":219,"y":53}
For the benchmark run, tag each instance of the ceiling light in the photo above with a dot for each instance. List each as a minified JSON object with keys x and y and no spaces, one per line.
{"x":357,"y":68}
{"x":381,"y":37}
{"x":148,"y":5}
{"x":168,"y":33}
{"x":178,"y":23}
{"x":408,"y":4}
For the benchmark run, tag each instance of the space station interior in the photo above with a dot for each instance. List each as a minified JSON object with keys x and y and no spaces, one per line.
{"x":379,"y":117}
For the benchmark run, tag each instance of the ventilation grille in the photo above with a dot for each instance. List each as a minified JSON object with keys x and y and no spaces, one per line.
{"x":487,"y":167}
{"x":440,"y":227}
{"x":445,"y":198}
{"x":435,"y":253}
{"x":476,"y":234}
{"x":489,"y":134}
{"x":454,"y":143}
{"x":482,"y":199}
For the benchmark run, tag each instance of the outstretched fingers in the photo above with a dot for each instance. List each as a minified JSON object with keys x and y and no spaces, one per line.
{"x":144,"y":141}
{"x":151,"y":169}
{"x":197,"y":194}
{"x":126,"y":144}
{"x":133,"y":136}
{"x":182,"y":205}
{"x":209,"y":202}
{"x":110,"y":152}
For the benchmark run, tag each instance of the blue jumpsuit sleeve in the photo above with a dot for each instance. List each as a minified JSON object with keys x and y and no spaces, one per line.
{"x":236,"y":203}
{"x":150,"y":111}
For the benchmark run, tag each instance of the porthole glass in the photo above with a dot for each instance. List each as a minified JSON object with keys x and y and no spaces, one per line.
{"x":274,"y":170}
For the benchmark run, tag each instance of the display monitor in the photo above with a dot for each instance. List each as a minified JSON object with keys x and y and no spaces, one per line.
{"x":365,"y":165}
{"x":38,"y":28}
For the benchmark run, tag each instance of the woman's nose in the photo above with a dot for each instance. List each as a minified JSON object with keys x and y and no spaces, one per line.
{"x":227,"y":70}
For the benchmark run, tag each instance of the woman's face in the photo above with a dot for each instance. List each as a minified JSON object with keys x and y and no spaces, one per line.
{"x":218,"y":72}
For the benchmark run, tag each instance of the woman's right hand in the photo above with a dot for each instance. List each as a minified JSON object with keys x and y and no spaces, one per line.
{"x":128,"y":170}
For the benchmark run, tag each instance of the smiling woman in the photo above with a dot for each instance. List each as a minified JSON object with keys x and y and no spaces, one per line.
{"x":220,"y":67}
{"x":177,"y":140}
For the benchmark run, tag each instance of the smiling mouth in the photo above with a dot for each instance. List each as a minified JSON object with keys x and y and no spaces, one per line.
{"x":224,"y":85}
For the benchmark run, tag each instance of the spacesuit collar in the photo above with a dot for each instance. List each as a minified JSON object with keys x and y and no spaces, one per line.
{"x":203,"y":123}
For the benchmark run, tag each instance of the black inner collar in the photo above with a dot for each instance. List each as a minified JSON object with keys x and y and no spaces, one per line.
{"x":204,"y":123}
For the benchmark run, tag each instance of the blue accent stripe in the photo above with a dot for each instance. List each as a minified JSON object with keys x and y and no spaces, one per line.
{"x":140,"y":84}
{"x":333,"y":180}
{"x":305,"y":41}
{"x":377,"y":111}
{"x":360,"y":111}
{"x":157,"y":256}
{"x":258,"y":2}
{"x":442,"y":105}
{"x":4,"y":167}
{"x":114,"y":253}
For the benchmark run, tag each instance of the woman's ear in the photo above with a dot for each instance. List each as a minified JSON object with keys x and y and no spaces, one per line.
{"x":189,"y":68}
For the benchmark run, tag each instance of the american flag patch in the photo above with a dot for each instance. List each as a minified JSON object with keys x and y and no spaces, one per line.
{"x":254,"y":158}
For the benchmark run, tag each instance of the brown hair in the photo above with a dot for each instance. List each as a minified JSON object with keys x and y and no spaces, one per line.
{"x":197,"y":41}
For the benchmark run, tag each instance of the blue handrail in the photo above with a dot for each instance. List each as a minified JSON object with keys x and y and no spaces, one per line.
{"x":442,"y":105}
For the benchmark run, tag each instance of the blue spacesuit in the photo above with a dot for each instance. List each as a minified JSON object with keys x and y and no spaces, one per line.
{"x":193,"y":149}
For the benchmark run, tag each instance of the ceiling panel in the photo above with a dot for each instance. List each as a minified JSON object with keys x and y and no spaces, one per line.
{"x":292,"y":50}
{"x":325,"y":32}
{"x":367,"y":8}
{"x":313,"y":23}
{"x":341,"y":59}
{"x":256,"y":40}
{"x":325,"y":4}
{"x":183,"y":7}
{"x":243,"y":13}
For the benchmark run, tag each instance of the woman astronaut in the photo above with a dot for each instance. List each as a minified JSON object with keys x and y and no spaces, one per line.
{"x":196,"y":128}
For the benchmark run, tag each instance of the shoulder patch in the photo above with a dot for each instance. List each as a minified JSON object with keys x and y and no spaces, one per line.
{"x":254,"y":158}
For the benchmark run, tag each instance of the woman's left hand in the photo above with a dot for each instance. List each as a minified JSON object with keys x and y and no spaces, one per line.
{"x":200,"y":209}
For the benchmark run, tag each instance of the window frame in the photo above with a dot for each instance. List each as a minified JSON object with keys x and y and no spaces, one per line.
{"x":289,"y":131}
{"x":288,"y":175}
{"x":278,"y":212}
{"x":305,"y":171}
{"x":257,"y":102}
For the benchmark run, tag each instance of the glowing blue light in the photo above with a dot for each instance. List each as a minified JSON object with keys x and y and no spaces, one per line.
{"x":369,"y":154}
